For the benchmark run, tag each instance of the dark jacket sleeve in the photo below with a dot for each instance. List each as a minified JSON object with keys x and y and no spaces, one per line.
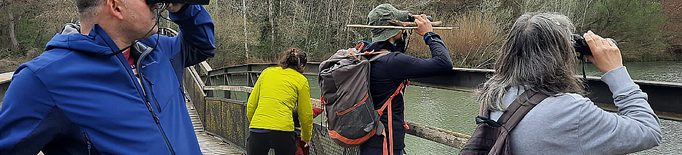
{"x":23,"y":129}
{"x":404,"y":66}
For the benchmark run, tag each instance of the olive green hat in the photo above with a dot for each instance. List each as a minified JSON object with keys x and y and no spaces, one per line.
{"x":380,"y":16}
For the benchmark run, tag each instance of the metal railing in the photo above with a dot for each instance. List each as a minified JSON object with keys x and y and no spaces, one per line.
{"x":4,"y":85}
{"x":223,"y":110}
{"x":220,"y":87}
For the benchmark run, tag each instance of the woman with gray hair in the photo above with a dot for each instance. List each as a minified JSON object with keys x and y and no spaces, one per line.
{"x":538,"y":56}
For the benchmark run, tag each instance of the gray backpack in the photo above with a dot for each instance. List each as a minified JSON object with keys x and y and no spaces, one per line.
{"x":344,"y":82}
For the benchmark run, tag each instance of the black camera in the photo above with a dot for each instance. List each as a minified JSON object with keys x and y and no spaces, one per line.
{"x":410,"y":18}
{"x":195,"y":2}
{"x":581,"y":46}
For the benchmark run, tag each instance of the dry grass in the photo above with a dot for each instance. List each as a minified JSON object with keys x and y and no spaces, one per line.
{"x":474,"y":45}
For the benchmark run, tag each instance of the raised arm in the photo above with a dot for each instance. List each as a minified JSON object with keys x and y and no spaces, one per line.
{"x":406,"y":66}
{"x":636,"y":128}
{"x":195,"y":41}
{"x":197,"y":38}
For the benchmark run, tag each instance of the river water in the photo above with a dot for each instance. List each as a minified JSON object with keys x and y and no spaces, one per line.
{"x":455,"y":110}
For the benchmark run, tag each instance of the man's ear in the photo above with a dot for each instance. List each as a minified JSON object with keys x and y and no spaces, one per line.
{"x":115,"y":7}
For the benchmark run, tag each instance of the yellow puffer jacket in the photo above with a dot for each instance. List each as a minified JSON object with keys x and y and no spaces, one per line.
{"x":274,"y":97}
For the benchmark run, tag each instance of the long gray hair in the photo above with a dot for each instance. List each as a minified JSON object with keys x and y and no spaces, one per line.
{"x":538,"y":56}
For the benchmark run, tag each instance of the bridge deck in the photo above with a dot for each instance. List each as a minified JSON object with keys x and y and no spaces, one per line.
{"x":209,"y":144}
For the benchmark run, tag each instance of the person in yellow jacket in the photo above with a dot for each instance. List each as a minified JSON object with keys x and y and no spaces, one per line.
{"x":271,"y":105}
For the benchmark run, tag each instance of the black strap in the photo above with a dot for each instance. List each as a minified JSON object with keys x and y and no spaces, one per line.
{"x":519,"y":108}
{"x":516,"y":110}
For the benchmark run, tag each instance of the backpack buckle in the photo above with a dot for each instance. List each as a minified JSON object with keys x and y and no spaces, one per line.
{"x":484,"y":119}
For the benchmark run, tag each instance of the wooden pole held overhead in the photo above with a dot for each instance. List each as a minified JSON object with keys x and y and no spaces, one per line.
{"x":400,"y":27}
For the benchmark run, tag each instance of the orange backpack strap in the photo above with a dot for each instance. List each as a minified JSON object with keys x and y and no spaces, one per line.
{"x":398,"y":90}
{"x":407,"y":83}
{"x":385,"y":143}
{"x":389,"y":102}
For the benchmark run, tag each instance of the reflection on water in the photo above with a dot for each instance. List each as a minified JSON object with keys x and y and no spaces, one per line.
{"x":455,"y":111}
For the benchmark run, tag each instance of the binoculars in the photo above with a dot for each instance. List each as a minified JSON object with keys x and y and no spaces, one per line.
{"x":194,"y":2}
{"x":410,"y":18}
{"x":581,"y":46}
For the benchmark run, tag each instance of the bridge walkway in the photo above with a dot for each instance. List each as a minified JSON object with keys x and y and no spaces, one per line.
{"x":209,"y":144}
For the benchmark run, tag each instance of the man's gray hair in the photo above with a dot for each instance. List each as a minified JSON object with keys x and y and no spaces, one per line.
{"x":538,"y":55}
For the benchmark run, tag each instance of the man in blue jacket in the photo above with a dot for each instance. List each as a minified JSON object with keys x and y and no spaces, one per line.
{"x":390,"y":71}
{"x":108,"y":86}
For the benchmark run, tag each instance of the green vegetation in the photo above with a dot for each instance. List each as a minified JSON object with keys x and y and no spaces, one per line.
{"x":258,"y":31}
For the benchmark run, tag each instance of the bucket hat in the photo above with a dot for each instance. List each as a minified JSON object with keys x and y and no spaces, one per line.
{"x":380,"y":16}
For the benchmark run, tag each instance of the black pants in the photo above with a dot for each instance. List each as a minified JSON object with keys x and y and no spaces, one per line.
{"x":283,"y":142}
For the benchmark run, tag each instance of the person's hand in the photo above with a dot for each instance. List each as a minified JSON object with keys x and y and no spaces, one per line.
{"x":605,"y":54}
{"x":174,"y":7}
{"x":306,"y":143}
{"x":423,"y":24}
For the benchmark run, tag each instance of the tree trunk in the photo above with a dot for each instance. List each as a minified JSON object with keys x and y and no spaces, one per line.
{"x":272,"y":27}
{"x":12,"y":36}
{"x":350,"y":16}
{"x":246,"y":36}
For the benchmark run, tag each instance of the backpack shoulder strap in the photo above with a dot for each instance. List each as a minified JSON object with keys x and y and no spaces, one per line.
{"x":519,"y":108}
{"x":512,"y":116}
{"x":379,"y":55}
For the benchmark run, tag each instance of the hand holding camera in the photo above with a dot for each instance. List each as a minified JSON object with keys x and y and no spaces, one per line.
{"x":423,"y":24}
{"x":605,"y":54}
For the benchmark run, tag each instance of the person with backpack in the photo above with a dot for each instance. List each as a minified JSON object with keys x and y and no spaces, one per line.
{"x":271,"y":104}
{"x":389,"y":73}
{"x":539,"y":61}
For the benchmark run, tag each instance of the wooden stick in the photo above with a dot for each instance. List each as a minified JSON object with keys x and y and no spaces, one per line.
{"x":412,"y":24}
{"x":400,"y":27}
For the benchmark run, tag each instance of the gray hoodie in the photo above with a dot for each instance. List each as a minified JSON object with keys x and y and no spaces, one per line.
{"x":572,"y":124}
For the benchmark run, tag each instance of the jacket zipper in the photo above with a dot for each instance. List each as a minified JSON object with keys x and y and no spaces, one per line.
{"x":156,"y":119}
{"x":149,"y":107}
{"x":87,"y":141}
{"x":156,"y":102}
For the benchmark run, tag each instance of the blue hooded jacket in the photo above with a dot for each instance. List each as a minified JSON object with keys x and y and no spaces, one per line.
{"x":80,"y":97}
